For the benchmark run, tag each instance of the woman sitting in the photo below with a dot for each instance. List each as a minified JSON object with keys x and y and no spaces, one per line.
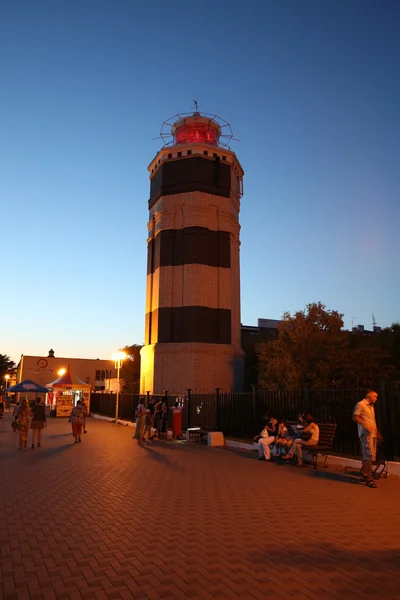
{"x":308,"y":437}
{"x":266,"y":438}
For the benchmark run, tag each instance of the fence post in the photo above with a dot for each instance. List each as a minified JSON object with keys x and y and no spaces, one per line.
{"x":188,"y":423}
{"x":217,"y":399}
{"x":388,"y":432}
{"x":253,"y":406}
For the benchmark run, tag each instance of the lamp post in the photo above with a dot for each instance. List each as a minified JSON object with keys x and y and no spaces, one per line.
{"x":118,"y":357}
{"x":7,"y":378}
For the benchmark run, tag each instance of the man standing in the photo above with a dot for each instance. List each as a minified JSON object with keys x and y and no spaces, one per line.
{"x":85,"y":413}
{"x":364,"y":416}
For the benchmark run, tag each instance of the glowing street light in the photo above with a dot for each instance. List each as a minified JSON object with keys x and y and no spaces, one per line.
{"x":7,"y":378}
{"x":61,"y":372}
{"x":118,"y":357}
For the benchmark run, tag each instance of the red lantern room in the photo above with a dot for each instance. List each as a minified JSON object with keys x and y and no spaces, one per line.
{"x":196,"y":128}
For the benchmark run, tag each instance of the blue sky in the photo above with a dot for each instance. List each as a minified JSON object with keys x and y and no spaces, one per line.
{"x":311,"y":89}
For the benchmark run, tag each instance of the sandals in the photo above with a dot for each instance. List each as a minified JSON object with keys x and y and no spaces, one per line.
{"x":371,"y":484}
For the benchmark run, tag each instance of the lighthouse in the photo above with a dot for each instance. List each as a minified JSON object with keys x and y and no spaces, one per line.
{"x":192,"y":321}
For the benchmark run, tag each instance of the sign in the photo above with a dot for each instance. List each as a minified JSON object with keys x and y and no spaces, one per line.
{"x":65,"y":403}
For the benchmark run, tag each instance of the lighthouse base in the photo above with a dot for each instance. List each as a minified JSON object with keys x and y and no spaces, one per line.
{"x":196,"y":366}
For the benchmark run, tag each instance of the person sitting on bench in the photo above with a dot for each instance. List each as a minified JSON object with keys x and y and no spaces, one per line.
{"x":266,"y":438}
{"x":308,"y":437}
{"x":283,"y":439}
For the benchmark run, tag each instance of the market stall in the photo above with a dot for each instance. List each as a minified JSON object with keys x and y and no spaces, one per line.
{"x":64,"y":393}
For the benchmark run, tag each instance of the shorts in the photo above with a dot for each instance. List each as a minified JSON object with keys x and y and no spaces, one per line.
{"x":368,"y":447}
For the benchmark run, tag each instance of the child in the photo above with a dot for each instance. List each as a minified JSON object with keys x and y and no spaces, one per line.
{"x":282,"y":440}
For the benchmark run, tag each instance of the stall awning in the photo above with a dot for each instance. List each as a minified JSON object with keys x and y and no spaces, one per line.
{"x":68,"y":379}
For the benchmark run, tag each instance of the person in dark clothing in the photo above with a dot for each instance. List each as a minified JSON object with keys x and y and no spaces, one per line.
{"x":38,"y":422}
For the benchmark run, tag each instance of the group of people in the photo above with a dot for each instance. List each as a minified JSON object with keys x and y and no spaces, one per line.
{"x":34,"y":418}
{"x":153,"y":420}
{"x":25,"y":418}
{"x":276,"y":439}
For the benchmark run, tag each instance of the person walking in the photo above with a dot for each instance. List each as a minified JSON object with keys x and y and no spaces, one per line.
{"x":16,"y":409}
{"x":38,"y":422}
{"x":76,"y":419}
{"x":24,"y":414}
{"x":177,"y":420}
{"x":364,"y":416}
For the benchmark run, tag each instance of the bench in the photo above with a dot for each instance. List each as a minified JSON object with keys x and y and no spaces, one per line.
{"x":326,"y":435}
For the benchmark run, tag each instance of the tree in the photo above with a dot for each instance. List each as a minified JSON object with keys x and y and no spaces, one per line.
{"x":6,"y":364}
{"x":312,"y":350}
{"x":130,"y":369}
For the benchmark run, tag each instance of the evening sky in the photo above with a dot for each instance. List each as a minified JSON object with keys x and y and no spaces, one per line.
{"x":311,"y":89}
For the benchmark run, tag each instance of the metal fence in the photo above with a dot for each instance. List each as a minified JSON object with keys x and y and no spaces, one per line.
{"x":241,"y":415}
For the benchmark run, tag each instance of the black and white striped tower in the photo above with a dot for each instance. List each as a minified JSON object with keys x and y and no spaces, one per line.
{"x":192,"y":329}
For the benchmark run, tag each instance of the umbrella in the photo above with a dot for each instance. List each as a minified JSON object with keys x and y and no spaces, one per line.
{"x":28,"y":386}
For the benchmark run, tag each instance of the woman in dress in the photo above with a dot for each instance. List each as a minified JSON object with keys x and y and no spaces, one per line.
{"x":38,"y":422}
{"x":177,"y":421}
{"x":140,"y":415}
{"x":24,"y":414}
{"x":76,"y":418}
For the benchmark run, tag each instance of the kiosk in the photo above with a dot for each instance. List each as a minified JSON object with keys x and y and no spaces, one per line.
{"x":64,"y":393}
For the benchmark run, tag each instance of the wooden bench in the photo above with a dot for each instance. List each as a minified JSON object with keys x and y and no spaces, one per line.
{"x":326,"y":435}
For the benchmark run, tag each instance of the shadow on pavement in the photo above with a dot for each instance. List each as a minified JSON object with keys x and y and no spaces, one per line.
{"x":153,"y":455}
{"x":365,"y":570}
{"x":44,"y":453}
{"x":335,"y":476}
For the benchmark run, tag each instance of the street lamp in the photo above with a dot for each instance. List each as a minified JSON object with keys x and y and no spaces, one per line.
{"x":61,"y":371}
{"x":7,"y":378}
{"x":118,"y":357}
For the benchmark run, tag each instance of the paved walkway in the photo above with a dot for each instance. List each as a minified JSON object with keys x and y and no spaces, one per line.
{"x":107,"y":519}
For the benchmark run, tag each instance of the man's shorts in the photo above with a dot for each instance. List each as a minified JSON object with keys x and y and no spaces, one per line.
{"x":368,"y":447}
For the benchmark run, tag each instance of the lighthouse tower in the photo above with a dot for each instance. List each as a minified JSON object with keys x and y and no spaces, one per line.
{"x":192,"y":325}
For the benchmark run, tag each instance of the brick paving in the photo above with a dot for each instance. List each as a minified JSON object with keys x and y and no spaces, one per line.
{"x":107,"y":519}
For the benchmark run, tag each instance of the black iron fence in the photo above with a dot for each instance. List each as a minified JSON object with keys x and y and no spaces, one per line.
{"x":241,"y":415}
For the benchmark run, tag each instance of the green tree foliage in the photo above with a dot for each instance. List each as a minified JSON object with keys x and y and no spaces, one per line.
{"x":312,"y":350}
{"x":6,"y":364}
{"x":130,"y":369}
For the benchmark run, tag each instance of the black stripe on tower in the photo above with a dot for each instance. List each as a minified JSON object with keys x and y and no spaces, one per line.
{"x":190,"y":324}
{"x":191,"y":175}
{"x":188,"y":246}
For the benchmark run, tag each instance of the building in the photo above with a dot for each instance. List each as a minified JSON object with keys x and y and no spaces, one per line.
{"x":192,"y":323}
{"x":45,"y":369}
{"x":265,"y":330}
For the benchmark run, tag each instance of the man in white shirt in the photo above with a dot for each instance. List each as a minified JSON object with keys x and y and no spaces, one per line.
{"x":364,"y":416}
